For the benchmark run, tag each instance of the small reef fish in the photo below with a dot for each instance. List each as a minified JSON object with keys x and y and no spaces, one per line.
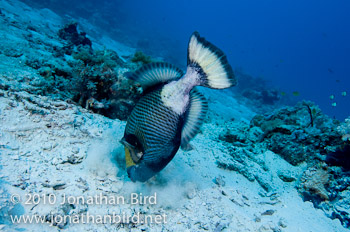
{"x":334,"y":104}
{"x":343,"y":93}
{"x":331,"y":97}
{"x":296,"y":93}
{"x":171,"y":111}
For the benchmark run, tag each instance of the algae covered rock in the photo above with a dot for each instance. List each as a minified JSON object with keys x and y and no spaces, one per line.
{"x":70,"y":33}
{"x":299,"y":134}
{"x":328,"y":188}
{"x":98,"y":76}
{"x":105,"y":90}
{"x":140,"y":57}
{"x":313,"y":184}
{"x":344,"y":130}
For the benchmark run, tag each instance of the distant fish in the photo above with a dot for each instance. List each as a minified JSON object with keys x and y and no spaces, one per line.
{"x":338,"y":81}
{"x":296,"y":93}
{"x":331,"y":97}
{"x":283,"y":93}
{"x":334,"y":104}
{"x":171,"y":111}
{"x":330,"y":70}
{"x":343,"y":93}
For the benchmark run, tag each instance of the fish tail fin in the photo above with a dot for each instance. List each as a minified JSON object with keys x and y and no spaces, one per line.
{"x":209,"y":63}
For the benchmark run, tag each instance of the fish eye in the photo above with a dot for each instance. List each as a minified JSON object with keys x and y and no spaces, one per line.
{"x":139,"y":154}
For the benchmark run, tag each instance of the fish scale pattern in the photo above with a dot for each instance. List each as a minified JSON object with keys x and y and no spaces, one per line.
{"x":154,"y":125}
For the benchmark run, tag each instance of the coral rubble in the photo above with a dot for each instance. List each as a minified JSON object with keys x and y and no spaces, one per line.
{"x":302,"y":135}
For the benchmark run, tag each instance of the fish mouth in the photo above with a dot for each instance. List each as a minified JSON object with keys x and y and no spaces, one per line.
{"x":132,"y":154}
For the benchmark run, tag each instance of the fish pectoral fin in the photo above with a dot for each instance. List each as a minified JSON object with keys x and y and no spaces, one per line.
{"x":194,"y":117}
{"x":187,"y":147}
{"x":156,"y":73}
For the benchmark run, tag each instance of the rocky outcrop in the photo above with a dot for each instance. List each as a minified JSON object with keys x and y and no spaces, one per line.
{"x":305,"y":137}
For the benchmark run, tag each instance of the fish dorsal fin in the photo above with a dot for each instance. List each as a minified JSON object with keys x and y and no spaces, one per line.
{"x":194,"y":117}
{"x":156,"y":73}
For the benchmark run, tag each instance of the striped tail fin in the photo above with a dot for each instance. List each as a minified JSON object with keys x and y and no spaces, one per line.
{"x":209,"y":63}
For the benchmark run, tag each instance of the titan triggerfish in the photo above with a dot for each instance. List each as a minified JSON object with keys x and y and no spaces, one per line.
{"x":171,"y":110}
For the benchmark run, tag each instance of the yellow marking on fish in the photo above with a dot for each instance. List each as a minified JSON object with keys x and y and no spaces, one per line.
{"x":128,"y":160}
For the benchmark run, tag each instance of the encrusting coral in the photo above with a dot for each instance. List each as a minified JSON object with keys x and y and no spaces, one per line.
{"x":344,"y":130}
{"x":70,"y":32}
{"x":313,"y":183}
{"x":140,"y":57}
{"x":100,"y":84}
{"x":303,"y":136}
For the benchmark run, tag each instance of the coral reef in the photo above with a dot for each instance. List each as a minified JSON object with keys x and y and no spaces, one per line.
{"x":70,"y":33}
{"x":340,"y":157}
{"x":344,"y":130}
{"x":257,"y":91}
{"x":303,"y":136}
{"x":101,"y":84}
{"x":313,"y":184}
{"x":140,"y":57}
{"x":298,"y":134}
{"x":292,"y":132}
{"x":73,"y":70}
{"x":328,"y":189}
{"x":98,"y":75}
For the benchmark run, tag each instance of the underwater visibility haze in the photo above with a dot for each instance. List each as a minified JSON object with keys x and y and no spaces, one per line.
{"x":174,"y":115}
{"x":298,"y":45}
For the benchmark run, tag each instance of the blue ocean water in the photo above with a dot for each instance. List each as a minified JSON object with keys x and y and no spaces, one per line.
{"x":297,"y":46}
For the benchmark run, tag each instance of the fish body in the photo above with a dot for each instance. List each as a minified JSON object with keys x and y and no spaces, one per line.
{"x":155,"y":128}
{"x":171,"y":111}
